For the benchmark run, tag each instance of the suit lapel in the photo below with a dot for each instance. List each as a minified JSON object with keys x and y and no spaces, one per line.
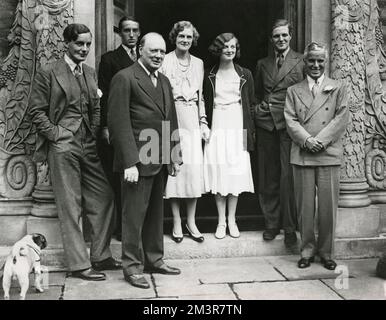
{"x":271,"y":68}
{"x":123,"y":57}
{"x":319,"y":100}
{"x":147,"y":86}
{"x":304,"y":94}
{"x":62,"y":74}
{"x":291,"y":60}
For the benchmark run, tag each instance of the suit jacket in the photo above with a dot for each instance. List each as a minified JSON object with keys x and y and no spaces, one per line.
{"x":133,"y":110}
{"x":271,"y":88}
{"x":325,"y":118}
{"x":50,"y":97}
{"x":111,"y":63}
{"x":247,"y":100}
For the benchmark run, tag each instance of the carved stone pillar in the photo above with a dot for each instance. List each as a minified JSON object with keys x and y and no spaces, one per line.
{"x":353,"y":59}
{"x":35,"y":39}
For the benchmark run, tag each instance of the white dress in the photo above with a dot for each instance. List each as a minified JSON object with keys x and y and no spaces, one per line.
{"x":187,"y":92}
{"x":227,"y":166}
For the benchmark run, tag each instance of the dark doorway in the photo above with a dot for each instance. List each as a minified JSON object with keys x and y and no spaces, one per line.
{"x":250,"y":21}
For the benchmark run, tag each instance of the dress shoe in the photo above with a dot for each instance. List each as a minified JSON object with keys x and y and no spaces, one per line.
{"x":89,"y":274}
{"x":270,"y":234}
{"x":290,"y":238}
{"x":137,"y":280}
{"x":164,"y":269}
{"x":107,"y":264}
{"x":305,"y":262}
{"x":220,"y":231}
{"x":177,"y":238}
{"x":233,"y":230}
{"x":196,"y":237}
{"x":328,"y":263}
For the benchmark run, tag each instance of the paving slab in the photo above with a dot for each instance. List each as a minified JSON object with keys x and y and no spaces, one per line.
{"x":366,"y":288}
{"x":217,"y":271}
{"x":360,"y":267}
{"x":52,"y":293}
{"x":285,"y":290}
{"x":49,"y":280}
{"x":287,"y":266}
{"x":203,"y":290}
{"x":113,"y":288}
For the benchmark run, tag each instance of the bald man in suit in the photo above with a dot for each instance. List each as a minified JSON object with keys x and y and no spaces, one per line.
{"x":317,"y":115}
{"x":273,"y":76}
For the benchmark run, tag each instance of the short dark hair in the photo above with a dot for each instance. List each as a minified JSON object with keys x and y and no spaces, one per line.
{"x":282,"y":23}
{"x":123,"y":19}
{"x":73,"y":30}
{"x":219,"y":43}
{"x":180,"y":26}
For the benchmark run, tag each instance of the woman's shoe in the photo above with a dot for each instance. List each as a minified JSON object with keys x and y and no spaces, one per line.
{"x":196,"y":237}
{"x":177,"y":238}
{"x":220,"y":231}
{"x":233,"y":230}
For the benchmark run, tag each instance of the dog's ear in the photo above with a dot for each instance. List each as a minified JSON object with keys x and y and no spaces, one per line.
{"x":40,"y":240}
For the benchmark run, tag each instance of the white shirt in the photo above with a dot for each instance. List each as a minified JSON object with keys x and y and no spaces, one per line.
{"x":128,"y":50}
{"x":284,"y":54}
{"x":147,"y":71}
{"x":311,"y":81}
{"x":72,"y":64}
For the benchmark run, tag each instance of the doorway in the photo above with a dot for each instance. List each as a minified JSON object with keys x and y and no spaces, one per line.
{"x":250,"y":21}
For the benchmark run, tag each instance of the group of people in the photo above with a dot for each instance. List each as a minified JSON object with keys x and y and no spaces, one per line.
{"x":155,"y":112}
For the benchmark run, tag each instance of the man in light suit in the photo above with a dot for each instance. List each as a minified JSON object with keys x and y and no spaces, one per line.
{"x":64,"y":106}
{"x":112,"y":62}
{"x":317,"y":115}
{"x":273,"y":76}
{"x":141,"y":106}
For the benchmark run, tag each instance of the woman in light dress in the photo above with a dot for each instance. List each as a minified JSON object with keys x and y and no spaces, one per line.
{"x":186,"y":73}
{"x":229,"y":100}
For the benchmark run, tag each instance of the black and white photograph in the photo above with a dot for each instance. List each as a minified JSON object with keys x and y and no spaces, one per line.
{"x":192,"y":156}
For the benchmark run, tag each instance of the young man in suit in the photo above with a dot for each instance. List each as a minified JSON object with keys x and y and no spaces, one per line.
{"x":64,"y":106}
{"x":317,"y":115}
{"x":273,"y":76}
{"x":112,"y":62}
{"x":141,"y":106}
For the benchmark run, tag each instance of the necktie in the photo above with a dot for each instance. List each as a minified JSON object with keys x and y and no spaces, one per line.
{"x":315,"y":88}
{"x":133,"y":54}
{"x":77,"y":71}
{"x":280,"y":60}
{"x":153,"y":79}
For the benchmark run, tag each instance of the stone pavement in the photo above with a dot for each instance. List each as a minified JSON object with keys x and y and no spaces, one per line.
{"x":257,"y":278}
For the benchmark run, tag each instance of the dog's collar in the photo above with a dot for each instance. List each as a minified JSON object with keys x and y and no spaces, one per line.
{"x":36,"y":251}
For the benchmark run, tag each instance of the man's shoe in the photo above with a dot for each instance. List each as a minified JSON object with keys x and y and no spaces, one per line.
{"x":328,"y":263}
{"x":270,"y":234}
{"x":107,"y":264}
{"x":137,"y":280}
{"x":89,"y":275}
{"x":164,"y":269}
{"x":290,"y":238}
{"x":305,"y":262}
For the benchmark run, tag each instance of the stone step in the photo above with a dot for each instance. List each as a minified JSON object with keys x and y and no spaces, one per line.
{"x":250,"y":244}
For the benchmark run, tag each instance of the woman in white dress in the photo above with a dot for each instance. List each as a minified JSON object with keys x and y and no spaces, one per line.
{"x":186,"y":73}
{"x":229,"y":100}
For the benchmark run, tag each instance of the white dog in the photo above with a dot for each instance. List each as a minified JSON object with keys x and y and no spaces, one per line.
{"x":23,"y":259}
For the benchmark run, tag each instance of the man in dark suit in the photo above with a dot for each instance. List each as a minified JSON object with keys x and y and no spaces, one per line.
{"x":112,"y":62}
{"x":64,"y":106}
{"x":143,"y":129}
{"x":273,"y":76}
{"x":317,"y":116}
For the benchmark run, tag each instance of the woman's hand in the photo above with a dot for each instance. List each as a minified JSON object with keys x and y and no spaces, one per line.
{"x":205,"y":132}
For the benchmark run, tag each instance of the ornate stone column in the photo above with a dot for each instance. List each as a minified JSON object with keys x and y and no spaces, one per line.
{"x":36,"y":39}
{"x":353,"y":59}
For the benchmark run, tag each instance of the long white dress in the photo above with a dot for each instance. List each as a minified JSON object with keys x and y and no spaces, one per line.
{"x":227,"y":166}
{"x":187,"y":91}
